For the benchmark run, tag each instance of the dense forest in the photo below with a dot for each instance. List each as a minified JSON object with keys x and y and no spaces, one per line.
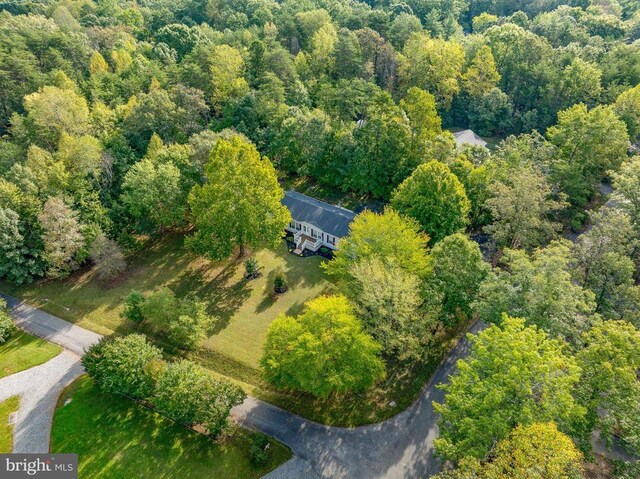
{"x":109,"y":109}
{"x":124,"y":120}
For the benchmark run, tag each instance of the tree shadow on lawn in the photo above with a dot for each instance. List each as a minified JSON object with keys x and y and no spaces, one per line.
{"x":223,"y":296}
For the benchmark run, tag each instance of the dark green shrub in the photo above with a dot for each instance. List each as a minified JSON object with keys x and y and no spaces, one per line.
{"x":259,"y":451}
{"x":133,"y":306}
{"x":252,"y":270}
{"x":280,"y":284}
{"x":123,"y":365}
{"x":7,"y":328}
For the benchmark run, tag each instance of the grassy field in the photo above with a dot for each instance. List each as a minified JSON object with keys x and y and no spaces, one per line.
{"x":117,"y":438}
{"x":245,"y":308}
{"x":6,"y":431}
{"x":24,"y":351}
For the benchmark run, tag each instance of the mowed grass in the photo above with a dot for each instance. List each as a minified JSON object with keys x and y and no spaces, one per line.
{"x":244,"y":308}
{"x":23,"y":351}
{"x":115,"y":438}
{"x":6,"y":430}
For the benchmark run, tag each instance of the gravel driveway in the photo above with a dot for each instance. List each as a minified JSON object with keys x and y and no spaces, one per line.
{"x":39,"y":389}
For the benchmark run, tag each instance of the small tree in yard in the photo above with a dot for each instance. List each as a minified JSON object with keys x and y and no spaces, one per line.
{"x":188,"y":394}
{"x":280,"y":284}
{"x":191,"y":325}
{"x":259,"y":452}
{"x":185,"y":321}
{"x":108,"y":257}
{"x":251,"y":268}
{"x":7,"y":327}
{"x":122,"y":365}
{"x":133,"y":306}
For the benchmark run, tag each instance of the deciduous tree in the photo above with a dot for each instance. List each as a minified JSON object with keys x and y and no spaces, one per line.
{"x":455,"y":274}
{"x":322,"y":351}
{"x":514,"y":375}
{"x":389,"y":237}
{"x":609,"y":388}
{"x":122,"y":365}
{"x":189,"y":394}
{"x":434,"y":196}
{"x":239,"y":204}
{"x":62,"y":236}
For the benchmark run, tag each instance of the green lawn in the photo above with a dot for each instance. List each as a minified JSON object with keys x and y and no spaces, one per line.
{"x":24,"y":351}
{"x":245,"y":308}
{"x":6,"y":431}
{"x":115,"y":437}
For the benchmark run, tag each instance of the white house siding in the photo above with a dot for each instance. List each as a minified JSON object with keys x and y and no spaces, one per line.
{"x":310,"y":230}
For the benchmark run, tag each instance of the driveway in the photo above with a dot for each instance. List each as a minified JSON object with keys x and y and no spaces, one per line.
{"x":39,"y":389}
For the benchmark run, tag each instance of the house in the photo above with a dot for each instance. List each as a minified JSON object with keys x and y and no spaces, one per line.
{"x":468,"y":137}
{"x":315,"y":223}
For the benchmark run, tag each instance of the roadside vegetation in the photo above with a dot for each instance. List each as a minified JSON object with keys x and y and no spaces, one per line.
{"x":117,"y":438}
{"x":6,"y":430}
{"x":18,"y":349}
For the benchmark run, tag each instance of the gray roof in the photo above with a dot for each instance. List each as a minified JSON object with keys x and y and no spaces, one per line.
{"x":331,"y":219}
{"x":468,"y":137}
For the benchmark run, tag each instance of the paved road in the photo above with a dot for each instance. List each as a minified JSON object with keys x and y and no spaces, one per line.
{"x":49,"y":327}
{"x":401,"y":447}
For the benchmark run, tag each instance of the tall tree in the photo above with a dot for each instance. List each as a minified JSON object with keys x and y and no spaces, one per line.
{"x":51,"y":111}
{"x":425,"y":123}
{"x":521,"y":207}
{"x":627,"y":106}
{"x":432,"y":64}
{"x":239,"y":204}
{"x":63,"y":238}
{"x":626,"y":185}
{"x":536,"y":451}
{"x":18,"y":263}
{"x":434,"y":196}
{"x":539,"y":288}
{"x":389,"y":237}
{"x":382,"y":157}
{"x":603,"y":263}
{"x":456,"y":272}
{"x":322,"y":351}
{"x":514,"y":375}
{"x":590,"y":143}
{"x":152,"y":194}
{"x":389,"y":302}
{"x":609,"y":388}
{"x":227,"y":80}
{"x":481,"y":76}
